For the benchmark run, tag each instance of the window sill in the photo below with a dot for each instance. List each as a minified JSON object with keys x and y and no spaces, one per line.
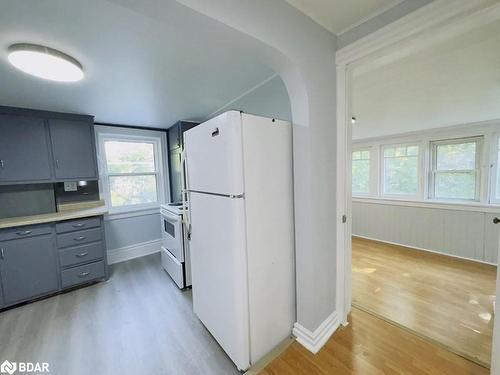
{"x":445,"y":205}
{"x":144,"y":211}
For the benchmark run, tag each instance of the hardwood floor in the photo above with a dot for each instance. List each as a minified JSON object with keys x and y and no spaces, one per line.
{"x":369,"y":345}
{"x":445,"y":299}
{"x":138,"y":322}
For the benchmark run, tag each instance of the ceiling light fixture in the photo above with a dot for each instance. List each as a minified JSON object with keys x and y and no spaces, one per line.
{"x":45,"y":62}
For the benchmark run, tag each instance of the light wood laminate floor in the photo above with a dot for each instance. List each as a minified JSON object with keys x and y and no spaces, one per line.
{"x":444,"y":299}
{"x":370,"y":345}
{"x":138,"y":322}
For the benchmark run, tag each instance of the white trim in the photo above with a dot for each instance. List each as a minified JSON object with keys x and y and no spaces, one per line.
{"x":444,"y":15}
{"x":422,"y":249}
{"x":438,"y":204}
{"x":430,"y":24}
{"x":368,"y":17}
{"x":142,"y":249}
{"x":314,"y":341}
{"x":158,"y":139}
{"x":129,"y":214}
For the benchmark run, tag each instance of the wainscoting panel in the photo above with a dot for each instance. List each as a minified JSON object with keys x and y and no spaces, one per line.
{"x":466,"y":234}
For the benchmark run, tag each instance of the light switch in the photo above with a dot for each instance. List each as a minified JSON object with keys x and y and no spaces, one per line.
{"x":70,"y":186}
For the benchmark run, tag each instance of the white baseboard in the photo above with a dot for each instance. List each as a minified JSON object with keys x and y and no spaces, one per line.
{"x":314,"y":341}
{"x":422,"y":249}
{"x":123,"y":254}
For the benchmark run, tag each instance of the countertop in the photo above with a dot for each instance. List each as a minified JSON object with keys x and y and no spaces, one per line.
{"x":52,"y":217}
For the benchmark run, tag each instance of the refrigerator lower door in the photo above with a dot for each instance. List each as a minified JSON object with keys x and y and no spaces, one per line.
{"x":219,"y":272}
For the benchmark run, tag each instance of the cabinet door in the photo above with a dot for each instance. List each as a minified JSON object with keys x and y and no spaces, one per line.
{"x":175,"y":175}
{"x":174,"y":136}
{"x":73,"y":149}
{"x":24,"y":149}
{"x":2,"y":304}
{"x":28,"y":268}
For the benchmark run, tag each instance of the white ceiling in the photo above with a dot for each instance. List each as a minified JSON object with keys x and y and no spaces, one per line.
{"x":341,"y":15}
{"x":450,"y":83}
{"x":139,"y":69}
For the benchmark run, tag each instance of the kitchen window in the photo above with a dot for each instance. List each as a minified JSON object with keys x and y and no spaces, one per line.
{"x":455,"y":169}
{"x":400,"y":170}
{"x":361,"y":172}
{"x":131,"y":168}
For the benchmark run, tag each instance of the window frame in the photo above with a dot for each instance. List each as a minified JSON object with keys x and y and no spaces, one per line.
{"x":479,"y":140}
{"x":370,"y":174}
{"x":493,"y":168}
{"x":419,"y":192}
{"x":158,"y":139}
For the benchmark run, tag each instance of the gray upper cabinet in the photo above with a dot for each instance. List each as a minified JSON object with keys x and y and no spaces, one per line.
{"x":28,"y":268}
{"x":24,"y":149}
{"x":73,"y":149}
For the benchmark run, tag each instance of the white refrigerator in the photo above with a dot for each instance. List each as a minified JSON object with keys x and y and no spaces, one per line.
{"x":240,"y":192}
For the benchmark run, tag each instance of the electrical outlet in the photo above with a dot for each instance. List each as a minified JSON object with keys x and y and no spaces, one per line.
{"x":70,"y":186}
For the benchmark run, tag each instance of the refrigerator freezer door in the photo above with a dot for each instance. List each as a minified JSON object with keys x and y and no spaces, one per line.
{"x":219,"y":273}
{"x":214,"y":155}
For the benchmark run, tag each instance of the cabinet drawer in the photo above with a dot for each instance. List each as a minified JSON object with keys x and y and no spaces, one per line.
{"x":23,"y":232}
{"x":79,"y":238}
{"x":173,"y":267}
{"x":82,"y":274}
{"x":81,"y":254}
{"x":70,"y":226}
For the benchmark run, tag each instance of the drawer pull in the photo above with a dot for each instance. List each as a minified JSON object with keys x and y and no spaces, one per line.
{"x":81,"y":255}
{"x":79,"y":225}
{"x":81,"y":238}
{"x":83,"y":274}
{"x":23,"y":233}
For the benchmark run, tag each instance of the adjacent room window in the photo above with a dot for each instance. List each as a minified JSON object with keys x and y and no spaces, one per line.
{"x":400,"y":170}
{"x":496,"y":191}
{"x":455,"y":169}
{"x":361,"y":172}
{"x":131,"y":170}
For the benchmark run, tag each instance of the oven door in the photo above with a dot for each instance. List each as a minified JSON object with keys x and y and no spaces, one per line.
{"x":172,"y":234}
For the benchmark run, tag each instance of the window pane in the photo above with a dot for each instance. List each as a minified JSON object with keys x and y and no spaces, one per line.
{"x":356,"y":155}
{"x":401,"y":175}
{"x":129,"y":190}
{"x":389,"y":152}
{"x":400,"y":151}
{"x":412,"y":150}
{"x":365,"y":154}
{"x":129,"y":157}
{"x":361,"y":176}
{"x":455,"y":185}
{"x":456,"y":156}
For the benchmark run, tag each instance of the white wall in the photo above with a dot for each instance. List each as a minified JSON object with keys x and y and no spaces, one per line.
{"x":462,"y":232}
{"x":269,"y":99}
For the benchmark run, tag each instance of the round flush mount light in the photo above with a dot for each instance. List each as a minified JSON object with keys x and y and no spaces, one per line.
{"x":45,"y":62}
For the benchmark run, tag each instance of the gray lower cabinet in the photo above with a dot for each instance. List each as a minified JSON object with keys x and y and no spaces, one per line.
{"x":24,"y":149}
{"x":40,"y":260}
{"x":73,"y":149}
{"x":2,"y":304}
{"x":28,"y":268}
